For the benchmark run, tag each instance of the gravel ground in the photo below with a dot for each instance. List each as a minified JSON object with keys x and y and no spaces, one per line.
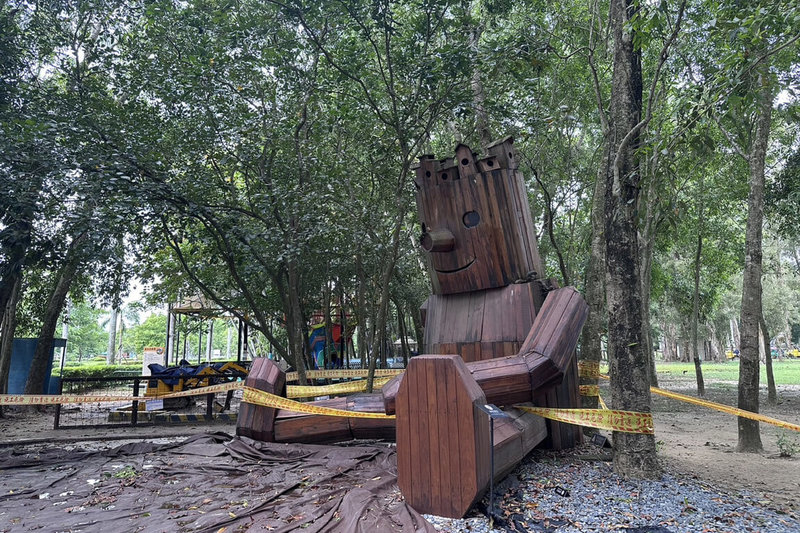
{"x":578,"y":491}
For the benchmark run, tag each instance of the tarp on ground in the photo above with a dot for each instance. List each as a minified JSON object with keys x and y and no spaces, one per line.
{"x":206,"y":483}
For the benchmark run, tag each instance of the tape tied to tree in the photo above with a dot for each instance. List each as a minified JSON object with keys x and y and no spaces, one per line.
{"x":588,"y":369}
{"x":722,"y":407}
{"x":612,"y":420}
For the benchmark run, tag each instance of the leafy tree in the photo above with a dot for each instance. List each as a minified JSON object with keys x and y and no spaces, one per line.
{"x":85,"y":334}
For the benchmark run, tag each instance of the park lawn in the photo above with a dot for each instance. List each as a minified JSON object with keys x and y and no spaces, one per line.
{"x":787,"y":372}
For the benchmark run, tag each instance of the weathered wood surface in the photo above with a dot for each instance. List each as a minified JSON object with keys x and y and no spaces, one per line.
{"x":504,"y":381}
{"x":483,"y":204}
{"x":318,"y":429}
{"x":443,"y":438}
{"x":480,"y":325}
{"x":256,"y":421}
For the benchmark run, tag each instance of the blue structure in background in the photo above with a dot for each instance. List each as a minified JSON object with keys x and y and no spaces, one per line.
{"x":22,"y":352}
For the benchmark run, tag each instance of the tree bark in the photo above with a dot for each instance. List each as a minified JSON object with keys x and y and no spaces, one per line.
{"x":701,"y":389}
{"x":478,"y":94}
{"x":772,"y":392}
{"x":295,"y":322}
{"x":634,"y":454}
{"x":7,"y":327}
{"x":736,"y":338}
{"x":112,"y":335}
{"x":388,"y":271}
{"x":749,"y":435}
{"x":37,"y":377}
{"x":646,"y":247}
{"x":591,"y":346}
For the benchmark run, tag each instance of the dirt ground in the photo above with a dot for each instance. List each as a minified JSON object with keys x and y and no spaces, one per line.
{"x":701,"y":442}
{"x":692,"y":440}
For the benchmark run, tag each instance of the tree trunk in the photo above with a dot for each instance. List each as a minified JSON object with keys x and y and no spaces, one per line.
{"x":634,"y":454}
{"x":749,"y":435}
{"x":401,"y":326}
{"x":37,"y":377}
{"x":8,"y":325}
{"x":326,"y":309}
{"x":386,"y":277}
{"x":478,"y":94}
{"x":294,"y":321}
{"x":701,"y":388}
{"x":647,"y":245}
{"x":591,"y":349}
{"x":361,"y":308}
{"x":112,"y":335}
{"x":736,"y":338}
{"x":772,"y":393}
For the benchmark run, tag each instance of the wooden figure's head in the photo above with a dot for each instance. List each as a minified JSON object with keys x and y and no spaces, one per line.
{"x":477,"y":230}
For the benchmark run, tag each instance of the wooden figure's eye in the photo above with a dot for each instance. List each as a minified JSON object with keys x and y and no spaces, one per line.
{"x":471,"y":219}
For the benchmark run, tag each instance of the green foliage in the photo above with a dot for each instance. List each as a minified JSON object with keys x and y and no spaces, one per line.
{"x":783,"y":198}
{"x":151,"y":332}
{"x":788,"y":443}
{"x":99,"y":369}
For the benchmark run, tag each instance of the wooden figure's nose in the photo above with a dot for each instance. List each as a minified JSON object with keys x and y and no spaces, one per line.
{"x":440,"y":240}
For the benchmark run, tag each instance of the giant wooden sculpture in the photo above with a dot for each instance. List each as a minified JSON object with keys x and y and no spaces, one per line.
{"x":513,"y":332}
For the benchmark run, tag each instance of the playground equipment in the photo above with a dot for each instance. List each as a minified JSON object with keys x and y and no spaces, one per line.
{"x":496,"y":332}
{"x":165,"y":380}
{"x":334,"y":354}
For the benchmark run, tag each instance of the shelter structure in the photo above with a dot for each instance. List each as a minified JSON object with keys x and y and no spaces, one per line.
{"x":202,"y":310}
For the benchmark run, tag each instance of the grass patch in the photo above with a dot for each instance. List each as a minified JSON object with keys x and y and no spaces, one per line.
{"x":786,"y":372}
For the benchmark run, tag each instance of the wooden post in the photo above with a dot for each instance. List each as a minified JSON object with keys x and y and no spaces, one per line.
{"x":255,"y":421}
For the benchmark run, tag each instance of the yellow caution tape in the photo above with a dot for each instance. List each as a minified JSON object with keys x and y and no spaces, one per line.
{"x":589,"y":390}
{"x":222,"y":387}
{"x":602,"y":403}
{"x":588,"y":369}
{"x":298,"y":391}
{"x":726,"y":409}
{"x":258,"y":397}
{"x":722,"y":407}
{"x":53,"y":399}
{"x":345,"y":373}
{"x":624,"y":421}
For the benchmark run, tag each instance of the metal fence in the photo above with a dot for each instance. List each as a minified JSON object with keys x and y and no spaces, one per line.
{"x":149,"y":410}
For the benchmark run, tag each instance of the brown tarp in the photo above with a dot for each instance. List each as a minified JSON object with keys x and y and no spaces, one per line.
{"x":204,"y":484}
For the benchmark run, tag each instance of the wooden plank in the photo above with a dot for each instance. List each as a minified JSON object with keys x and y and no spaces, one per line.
{"x":492,"y":231}
{"x":484,"y":236}
{"x":405,"y":428}
{"x":389,"y":393}
{"x":306,"y":428}
{"x":466,"y":161}
{"x":433,"y":435}
{"x":507,"y":446}
{"x":453,"y":454}
{"x":420,"y":444}
{"x":369,"y":428}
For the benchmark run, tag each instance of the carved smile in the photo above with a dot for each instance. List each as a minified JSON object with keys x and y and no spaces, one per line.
{"x":459,"y":269}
